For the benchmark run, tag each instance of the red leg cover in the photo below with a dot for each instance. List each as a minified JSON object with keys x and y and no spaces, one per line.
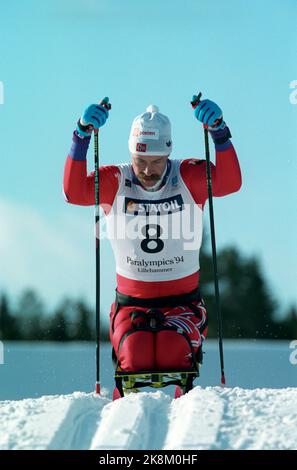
{"x":136,"y":351}
{"x":160,"y":350}
{"x":172,"y":351}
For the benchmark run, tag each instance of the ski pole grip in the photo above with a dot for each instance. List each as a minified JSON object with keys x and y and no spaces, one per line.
{"x":196,"y":100}
{"x":105,"y":103}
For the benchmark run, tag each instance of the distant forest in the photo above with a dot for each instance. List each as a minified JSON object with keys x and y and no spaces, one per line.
{"x":249,"y":308}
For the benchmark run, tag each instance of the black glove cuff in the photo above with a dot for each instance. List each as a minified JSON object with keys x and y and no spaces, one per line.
{"x":82,"y":127}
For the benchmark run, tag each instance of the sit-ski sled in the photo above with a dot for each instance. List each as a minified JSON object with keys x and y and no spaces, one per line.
{"x":131,"y":382}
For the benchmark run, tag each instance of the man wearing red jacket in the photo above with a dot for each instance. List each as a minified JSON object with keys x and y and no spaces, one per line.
{"x":153,"y":208}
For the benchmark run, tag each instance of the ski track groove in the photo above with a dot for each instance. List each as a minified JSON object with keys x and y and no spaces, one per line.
{"x":145,"y":413}
{"x":194,"y":420}
{"x":79,"y":424}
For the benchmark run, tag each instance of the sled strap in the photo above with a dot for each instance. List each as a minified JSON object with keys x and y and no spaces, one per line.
{"x":123,"y":300}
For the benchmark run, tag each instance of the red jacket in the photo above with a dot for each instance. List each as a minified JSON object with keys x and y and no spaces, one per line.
{"x":79,"y":189}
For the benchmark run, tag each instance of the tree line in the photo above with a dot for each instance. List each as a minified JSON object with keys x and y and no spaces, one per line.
{"x":249,"y":308}
{"x":72,"y":320}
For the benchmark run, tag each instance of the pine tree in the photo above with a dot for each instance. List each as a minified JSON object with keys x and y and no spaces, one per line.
{"x":287,"y":328}
{"x":247,"y":307}
{"x":9,"y":329}
{"x":30,"y":313}
{"x":83,"y":328}
{"x":58,"y":327}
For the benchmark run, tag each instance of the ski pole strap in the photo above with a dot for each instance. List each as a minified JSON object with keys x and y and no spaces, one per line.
{"x":123,"y":300}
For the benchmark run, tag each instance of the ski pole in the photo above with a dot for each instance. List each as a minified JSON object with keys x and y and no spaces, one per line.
{"x":194,"y":103}
{"x":107,"y":105}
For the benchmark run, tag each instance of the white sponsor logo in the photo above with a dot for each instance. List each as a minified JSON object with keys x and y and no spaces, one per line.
{"x":293,"y":355}
{"x":161,"y":207}
{"x":1,"y":93}
{"x":293,"y":95}
{"x":172,"y":204}
{"x":148,"y":134}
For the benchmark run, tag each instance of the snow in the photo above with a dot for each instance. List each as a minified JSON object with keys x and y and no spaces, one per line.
{"x":189,"y":415}
{"x":205,"y":418}
{"x":139,"y":421}
{"x":50,"y":422}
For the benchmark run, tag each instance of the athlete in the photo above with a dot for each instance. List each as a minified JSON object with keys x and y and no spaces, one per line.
{"x":153,"y":208}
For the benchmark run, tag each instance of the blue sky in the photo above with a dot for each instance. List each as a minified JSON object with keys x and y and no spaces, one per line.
{"x":56,"y":57}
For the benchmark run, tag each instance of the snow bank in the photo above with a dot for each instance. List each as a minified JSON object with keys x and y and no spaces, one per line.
{"x":205,"y":418}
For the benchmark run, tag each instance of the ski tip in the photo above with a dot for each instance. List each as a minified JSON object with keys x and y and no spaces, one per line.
{"x":178,"y":392}
{"x":97,"y":388}
{"x":196,"y":100}
{"x":106,"y":103}
{"x":223,"y":379}
{"x":116,"y":394}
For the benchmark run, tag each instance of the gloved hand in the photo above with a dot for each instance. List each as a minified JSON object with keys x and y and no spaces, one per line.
{"x":210,"y":114}
{"x":94,"y":116}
